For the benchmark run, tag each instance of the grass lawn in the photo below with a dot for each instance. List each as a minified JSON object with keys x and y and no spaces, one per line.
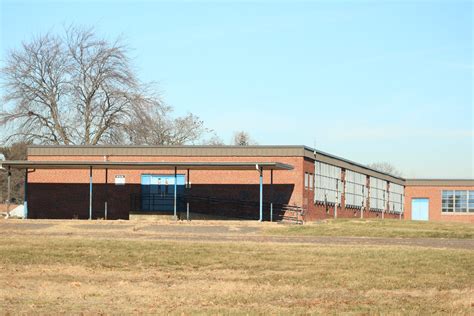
{"x":79,"y":274}
{"x":377,"y":228}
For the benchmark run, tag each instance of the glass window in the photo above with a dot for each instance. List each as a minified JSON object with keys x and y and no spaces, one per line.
{"x":355,"y":189}
{"x":460,"y":201}
{"x":327,"y":183}
{"x":471,"y":201}
{"x":306,"y":180}
{"x":448,"y":201}
{"x":378,"y":194}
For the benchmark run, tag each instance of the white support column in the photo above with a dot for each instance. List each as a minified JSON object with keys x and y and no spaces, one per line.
{"x":383,"y":210}
{"x":8,"y":191}
{"x":175,"y":193}
{"x":363,"y":203}
{"x":90,"y":193}
{"x":261,"y":194}
{"x":106,"y":192}
{"x":25,"y":200}
{"x":337,"y":199}
{"x":271,"y":195}
{"x":187,"y":199}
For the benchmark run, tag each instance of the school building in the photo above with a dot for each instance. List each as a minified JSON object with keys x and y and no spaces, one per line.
{"x":251,"y":182}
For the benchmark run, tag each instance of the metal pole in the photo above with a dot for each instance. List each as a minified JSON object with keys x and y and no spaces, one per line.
{"x":175,"y":192}
{"x":187,"y":180}
{"x":271,"y":195}
{"x":25,"y":200}
{"x":337,"y":199}
{"x":383,"y":210}
{"x":363,"y":202}
{"x":8,"y":191}
{"x":106,"y":192}
{"x":187,"y":202}
{"x":90,"y":192}
{"x":261,"y":195}
{"x":401,"y":206}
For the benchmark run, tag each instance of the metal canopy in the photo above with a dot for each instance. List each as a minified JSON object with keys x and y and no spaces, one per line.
{"x":259,"y":166}
{"x":24,"y":164}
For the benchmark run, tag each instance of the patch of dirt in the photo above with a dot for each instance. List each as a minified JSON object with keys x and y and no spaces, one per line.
{"x":205,"y":229}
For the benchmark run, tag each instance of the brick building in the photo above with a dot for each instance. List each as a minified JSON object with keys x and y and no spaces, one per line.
{"x":446,"y":200}
{"x":220,"y":180}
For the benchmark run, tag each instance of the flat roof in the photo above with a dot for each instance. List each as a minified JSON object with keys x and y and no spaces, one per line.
{"x":441,"y":182}
{"x":25,"y":164}
{"x":211,"y":151}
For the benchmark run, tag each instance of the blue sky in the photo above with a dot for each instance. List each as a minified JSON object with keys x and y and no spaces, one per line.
{"x":368,"y":81}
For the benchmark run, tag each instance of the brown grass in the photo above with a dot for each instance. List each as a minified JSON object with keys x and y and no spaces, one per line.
{"x":377,"y":228}
{"x":80,"y":274}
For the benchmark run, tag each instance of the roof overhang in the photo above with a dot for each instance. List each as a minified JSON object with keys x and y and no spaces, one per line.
{"x":123,"y":165}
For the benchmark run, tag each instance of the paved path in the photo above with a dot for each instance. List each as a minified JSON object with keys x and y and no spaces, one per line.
{"x":204,"y":233}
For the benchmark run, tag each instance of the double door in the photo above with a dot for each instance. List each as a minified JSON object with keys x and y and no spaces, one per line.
{"x":157,"y":192}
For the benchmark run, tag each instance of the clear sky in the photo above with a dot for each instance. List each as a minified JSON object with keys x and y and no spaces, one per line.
{"x":368,"y":81}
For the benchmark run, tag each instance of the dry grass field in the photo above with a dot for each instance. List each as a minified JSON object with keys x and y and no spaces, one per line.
{"x":124,"y":267}
{"x":379,"y":228}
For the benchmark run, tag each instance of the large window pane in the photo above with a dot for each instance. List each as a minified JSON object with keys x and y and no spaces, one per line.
{"x":471,"y":201}
{"x":328,"y":184}
{"x":460,"y":201}
{"x":378,"y":193}
{"x":447,"y":201}
{"x":355,"y":189}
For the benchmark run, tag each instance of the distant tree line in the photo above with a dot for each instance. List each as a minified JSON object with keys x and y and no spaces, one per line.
{"x":386,"y":167}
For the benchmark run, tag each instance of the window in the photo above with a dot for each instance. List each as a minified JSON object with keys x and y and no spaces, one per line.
{"x":471,"y":201}
{"x":457,"y":201}
{"x":306,"y":180}
{"x":378,"y":194}
{"x":355,"y":189}
{"x":447,"y":201}
{"x":311,"y":181}
{"x":460,"y":201}
{"x":328,"y":184}
{"x":396,"y":198}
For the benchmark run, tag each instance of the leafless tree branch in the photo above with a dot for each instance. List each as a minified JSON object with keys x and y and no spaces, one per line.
{"x":80,"y":89}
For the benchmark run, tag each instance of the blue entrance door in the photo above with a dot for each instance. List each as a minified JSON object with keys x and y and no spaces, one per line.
{"x":157,"y":192}
{"x":420,"y":209}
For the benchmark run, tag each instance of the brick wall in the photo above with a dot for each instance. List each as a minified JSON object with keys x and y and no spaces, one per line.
{"x":65,"y":193}
{"x":433,"y":193}
{"x":320,"y":211}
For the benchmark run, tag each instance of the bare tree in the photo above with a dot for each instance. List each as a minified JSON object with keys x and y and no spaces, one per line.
{"x":80,"y":89}
{"x":386,"y":168}
{"x":242,"y":138}
{"x":152,"y":126}
{"x":214,"y":140}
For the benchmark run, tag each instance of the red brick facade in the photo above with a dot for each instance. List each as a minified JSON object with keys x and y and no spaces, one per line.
{"x":69,"y":189}
{"x":318,"y":211}
{"x":65,"y":193}
{"x":434,"y":194}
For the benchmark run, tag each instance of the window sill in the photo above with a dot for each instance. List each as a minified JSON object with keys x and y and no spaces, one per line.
{"x":457,"y":213}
